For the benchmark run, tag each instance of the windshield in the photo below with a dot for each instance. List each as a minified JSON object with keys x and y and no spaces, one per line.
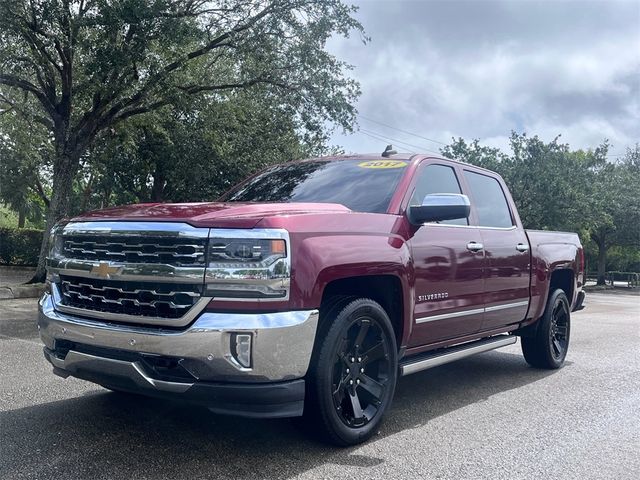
{"x":362,"y":186}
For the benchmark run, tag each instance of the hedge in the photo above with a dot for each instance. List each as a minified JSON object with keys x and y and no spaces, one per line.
{"x":20,"y":246}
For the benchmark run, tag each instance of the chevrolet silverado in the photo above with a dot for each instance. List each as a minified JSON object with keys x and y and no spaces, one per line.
{"x":308,"y":289}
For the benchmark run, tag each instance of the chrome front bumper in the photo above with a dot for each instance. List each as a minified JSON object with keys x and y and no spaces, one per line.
{"x":282,"y":344}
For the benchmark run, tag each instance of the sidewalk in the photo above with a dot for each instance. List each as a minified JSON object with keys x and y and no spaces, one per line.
{"x":619,"y":288}
{"x":12,"y":283}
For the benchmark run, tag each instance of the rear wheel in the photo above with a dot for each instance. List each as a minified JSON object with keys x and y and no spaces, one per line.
{"x":352,"y":378}
{"x":548,"y":347}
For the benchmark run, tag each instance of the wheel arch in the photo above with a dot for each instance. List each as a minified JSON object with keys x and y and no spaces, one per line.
{"x":384,"y":289}
{"x":564,"y":279}
{"x":560,"y":278}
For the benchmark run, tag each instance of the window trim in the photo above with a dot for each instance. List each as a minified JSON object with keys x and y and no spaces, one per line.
{"x":458,"y":172}
{"x":423,"y":165}
{"x":419,"y":171}
{"x":514,"y":221}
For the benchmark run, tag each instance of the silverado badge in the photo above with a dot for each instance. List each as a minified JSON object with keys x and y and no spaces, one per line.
{"x":433,"y":296}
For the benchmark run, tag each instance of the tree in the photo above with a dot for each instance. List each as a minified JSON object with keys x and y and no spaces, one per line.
{"x":151,"y":157}
{"x":549,"y":182}
{"x":615,"y":208}
{"x":24,"y":157}
{"x":475,"y":153}
{"x":89,"y":65}
{"x":557,"y":188}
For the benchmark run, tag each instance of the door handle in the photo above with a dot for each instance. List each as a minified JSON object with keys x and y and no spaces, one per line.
{"x":474,"y":246}
{"x":522,"y":247}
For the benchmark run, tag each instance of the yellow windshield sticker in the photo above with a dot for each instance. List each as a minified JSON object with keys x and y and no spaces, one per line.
{"x":383,"y":164}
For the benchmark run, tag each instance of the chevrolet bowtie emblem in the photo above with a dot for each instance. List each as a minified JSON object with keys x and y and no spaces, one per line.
{"x":104,"y":270}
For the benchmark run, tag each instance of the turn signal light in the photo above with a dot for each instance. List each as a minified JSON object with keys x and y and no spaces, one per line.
{"x":278,"y":246}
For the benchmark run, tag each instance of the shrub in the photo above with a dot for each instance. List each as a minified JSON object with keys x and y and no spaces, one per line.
{"x":20,"y":246}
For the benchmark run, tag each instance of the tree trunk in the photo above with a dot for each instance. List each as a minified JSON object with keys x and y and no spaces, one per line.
{"x":159,"y":182}
{"x":602,"y":261}
{"x":21,"y":218}
{"x":86,"y":194}
{"x":63,"y":175}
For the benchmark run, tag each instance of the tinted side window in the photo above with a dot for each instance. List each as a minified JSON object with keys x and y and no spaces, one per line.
{"x":437,"y":179}
{"x":490,"y":202}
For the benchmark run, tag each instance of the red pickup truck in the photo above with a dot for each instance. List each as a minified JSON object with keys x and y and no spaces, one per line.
{"x":308,"y":289}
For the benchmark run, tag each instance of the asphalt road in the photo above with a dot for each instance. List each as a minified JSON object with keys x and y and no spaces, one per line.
{"x":489,"y":416}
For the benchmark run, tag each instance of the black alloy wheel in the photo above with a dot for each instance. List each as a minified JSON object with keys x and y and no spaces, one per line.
{"x":559,"y":331}
{"x":361,"y":372}
{"x":353,"y":371}
{"x":548,"y":345}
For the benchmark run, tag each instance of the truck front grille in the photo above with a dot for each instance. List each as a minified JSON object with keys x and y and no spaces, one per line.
{"x":136,"y":249}
{"x":137,"y":273}
{"x":163,"y":300}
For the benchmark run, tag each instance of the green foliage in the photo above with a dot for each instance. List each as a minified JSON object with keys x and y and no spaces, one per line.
{"x":548,"y":181}
{"x":192,"y":155}
{"x":616,"y":201}
{"x":9,"y":219}
{"x":619,"y":258}
{"x":92,"y":64}
{"x":20,"y":246}
{"x":24,"y":156}
{"x":82,"y":68}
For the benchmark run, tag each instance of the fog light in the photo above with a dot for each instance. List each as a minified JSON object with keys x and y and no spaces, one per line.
{"x":241,"y":348}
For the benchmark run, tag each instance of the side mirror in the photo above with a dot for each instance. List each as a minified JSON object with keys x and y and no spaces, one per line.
{"x":440,"y":206}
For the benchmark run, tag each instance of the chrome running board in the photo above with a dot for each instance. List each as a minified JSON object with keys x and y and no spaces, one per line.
{"x":451,"y":354}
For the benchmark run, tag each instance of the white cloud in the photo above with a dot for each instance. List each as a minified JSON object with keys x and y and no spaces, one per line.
{"x":570,"y":68}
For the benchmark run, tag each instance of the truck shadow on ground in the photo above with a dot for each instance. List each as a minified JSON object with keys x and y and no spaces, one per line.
{"x":109,"y":435}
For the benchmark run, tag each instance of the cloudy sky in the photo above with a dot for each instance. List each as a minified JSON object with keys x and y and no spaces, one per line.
{"x":479,"y":69}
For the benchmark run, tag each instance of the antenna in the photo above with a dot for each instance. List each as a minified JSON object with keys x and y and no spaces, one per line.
{"x":388,"y":151}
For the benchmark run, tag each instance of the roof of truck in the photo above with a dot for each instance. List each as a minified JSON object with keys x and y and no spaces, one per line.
{"x":401,"y":156}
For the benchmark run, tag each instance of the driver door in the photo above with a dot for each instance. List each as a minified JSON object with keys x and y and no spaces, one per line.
{"x":449,"y":281}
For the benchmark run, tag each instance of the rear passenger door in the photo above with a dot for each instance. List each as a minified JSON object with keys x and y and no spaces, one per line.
{"x":449,"y":284}
{"x":506,"y":249}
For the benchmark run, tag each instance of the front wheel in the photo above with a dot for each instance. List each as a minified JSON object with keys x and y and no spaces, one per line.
{"x":548,"y":347}
{"x":353,"y":374}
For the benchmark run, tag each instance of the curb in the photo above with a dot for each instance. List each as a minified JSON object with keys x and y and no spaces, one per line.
{"x":609,"y":290}
{"x":17,"y":268}
{"x":12,"y":292}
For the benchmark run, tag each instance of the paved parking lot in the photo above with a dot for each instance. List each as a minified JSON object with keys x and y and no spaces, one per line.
{"x":489,"y":416}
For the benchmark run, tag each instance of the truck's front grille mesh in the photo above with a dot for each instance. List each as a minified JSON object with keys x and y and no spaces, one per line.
{"x":130,"y":298}
{"x":133,"y":249}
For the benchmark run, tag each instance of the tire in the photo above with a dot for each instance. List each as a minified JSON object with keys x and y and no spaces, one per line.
{"x":547,"y":348}
{"x":353,"y":372}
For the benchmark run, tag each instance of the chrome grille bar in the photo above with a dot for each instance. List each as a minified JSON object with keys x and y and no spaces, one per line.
{"x":170,"y":251}
{"x":108,"y":316}
{"x":129,"y":298}
{"x":132,"y":272}
{"x":134,"y":291}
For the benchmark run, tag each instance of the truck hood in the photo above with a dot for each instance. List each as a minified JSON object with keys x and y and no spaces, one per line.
{"x":208,"y":214}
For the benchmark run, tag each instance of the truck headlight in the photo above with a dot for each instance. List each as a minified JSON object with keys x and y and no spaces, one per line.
{"x":56,"y":241}
{"x":254,"y":264}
